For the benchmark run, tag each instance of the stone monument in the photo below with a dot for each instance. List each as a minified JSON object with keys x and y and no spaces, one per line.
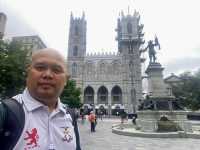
{"x":160,"y":112}
{"x":156,"y":85}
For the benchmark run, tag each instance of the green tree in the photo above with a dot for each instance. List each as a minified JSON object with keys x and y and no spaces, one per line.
{"x":189,"y":91}
{"x":71,"y":95}
{"x":13,"y":60}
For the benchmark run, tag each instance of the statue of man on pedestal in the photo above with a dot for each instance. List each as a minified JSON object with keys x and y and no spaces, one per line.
{"x":152,"y":51}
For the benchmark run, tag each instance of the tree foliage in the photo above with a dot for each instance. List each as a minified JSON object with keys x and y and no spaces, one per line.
{"x":71,"y":95}
{"x":13,"y":60}
{"x":188,"y":92}
{"x":13,"y":63}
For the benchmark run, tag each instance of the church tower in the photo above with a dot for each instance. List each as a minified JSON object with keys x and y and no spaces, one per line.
{"x":130,"y":38}
{"x":77,"y":48}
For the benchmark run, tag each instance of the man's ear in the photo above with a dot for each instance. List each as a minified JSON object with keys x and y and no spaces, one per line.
{"x":67,"y":77}
{"x":28,"y":68}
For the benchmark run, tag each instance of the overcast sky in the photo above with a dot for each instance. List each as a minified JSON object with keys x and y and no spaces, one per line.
{"x":175,"y":22}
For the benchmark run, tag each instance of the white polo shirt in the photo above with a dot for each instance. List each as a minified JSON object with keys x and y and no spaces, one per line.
{"x":44,"y":130}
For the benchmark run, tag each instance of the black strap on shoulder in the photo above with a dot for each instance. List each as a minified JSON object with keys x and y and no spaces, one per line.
{"x":13,"y":123}
{"x":74,"y":123}
{"x":2,"y":117}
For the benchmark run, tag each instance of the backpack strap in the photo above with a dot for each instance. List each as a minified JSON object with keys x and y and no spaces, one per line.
{"x":13,"y":123}
{"x":2,"y":118}
{"x":74,"y":123}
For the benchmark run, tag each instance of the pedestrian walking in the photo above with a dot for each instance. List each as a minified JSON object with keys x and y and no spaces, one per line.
{"x":92,"y":118}
{"x":101,"y":115}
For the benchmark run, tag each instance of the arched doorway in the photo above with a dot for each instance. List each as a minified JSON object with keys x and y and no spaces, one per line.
{"x":102,"y":95}
{"x":116,"y":95}
{"x":89,"y":95}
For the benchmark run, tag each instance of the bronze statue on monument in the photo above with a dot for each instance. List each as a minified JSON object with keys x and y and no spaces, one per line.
{"x":152,"y":51}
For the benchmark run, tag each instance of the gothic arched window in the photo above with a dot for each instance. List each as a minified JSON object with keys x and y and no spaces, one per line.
{"x":129,"y":27}
{"x":102,"y":68}
{"x":115,"y":67}
{"x":116,"y":95}
{"x":102,"y":95}
{"x":131,"y":65}
{"x":76,"y":30}
{"x":89,"y":95}
{"x":74,"y":70}
{"x":89,"y":67}
{"x":75,"y":51}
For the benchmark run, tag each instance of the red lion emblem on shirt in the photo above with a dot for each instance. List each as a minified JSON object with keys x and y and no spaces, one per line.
{"x":32,"y":138}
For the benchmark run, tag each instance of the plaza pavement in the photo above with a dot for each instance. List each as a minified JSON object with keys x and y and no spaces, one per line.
{"x":104,"y":139}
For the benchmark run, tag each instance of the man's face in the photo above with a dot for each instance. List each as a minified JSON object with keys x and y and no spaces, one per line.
{"x":46,"y":76}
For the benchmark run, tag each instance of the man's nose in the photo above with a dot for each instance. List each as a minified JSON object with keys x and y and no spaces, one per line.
{"x":48,"y":73}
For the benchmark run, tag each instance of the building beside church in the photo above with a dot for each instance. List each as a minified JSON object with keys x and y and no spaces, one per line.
{"x":172,"y":80}
{"x":30,"y":42}
{"x":109,"y":81}
{"x":3,"y":20}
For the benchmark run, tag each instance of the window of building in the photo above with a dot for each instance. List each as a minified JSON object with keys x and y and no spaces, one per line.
{"x":131,"y":65}
{"x":89,"y":67}
{"x":75,"y":51}
{"x":129,"y":27}
{"x":74,"y":70}
{"x":102,"y":95}
{"x":89,"y":95}
{"x":116,"y":95}
{"x":115,"y":67}
{"x":102,"y":68}
{"x":76,"y":30}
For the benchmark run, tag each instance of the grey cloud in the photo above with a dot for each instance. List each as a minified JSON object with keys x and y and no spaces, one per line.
{"x":182,"y":64}
{"x":16,"y":25}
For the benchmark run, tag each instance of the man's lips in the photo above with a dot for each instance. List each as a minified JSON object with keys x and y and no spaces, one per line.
{"x":46,"y":85}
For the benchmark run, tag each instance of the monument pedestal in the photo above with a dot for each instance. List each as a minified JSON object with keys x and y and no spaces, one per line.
{"x":156,"y":85}
{"x":148,"y":119}
{"x":160,"y":106}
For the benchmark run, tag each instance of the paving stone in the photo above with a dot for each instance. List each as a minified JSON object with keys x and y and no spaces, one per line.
{"x":104,"y":139}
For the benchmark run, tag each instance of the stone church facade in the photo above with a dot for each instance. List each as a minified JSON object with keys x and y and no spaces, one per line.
{"x":108,"y":81}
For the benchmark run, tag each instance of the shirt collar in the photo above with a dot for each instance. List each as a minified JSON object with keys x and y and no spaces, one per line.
{"x":33,"y":104}
{"x":61,"y":106}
